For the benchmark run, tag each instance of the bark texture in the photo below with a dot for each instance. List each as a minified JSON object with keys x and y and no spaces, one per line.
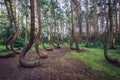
{"x":110,"y":39}
{"x":15,"y":27}
{"x":22,"y":60}
{"x":10,"y":19}
{"x":41,"y":55}
{"x":73,"y":31}
{"x":96,"y":28}
{"x":79,"y":38}
{"x":87,"y":20}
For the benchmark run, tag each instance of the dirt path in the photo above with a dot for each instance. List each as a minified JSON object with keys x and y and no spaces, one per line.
{"x":56,"y":67}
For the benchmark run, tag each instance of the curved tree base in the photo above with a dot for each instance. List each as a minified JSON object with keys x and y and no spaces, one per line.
{"x":43,"y":55}
{"x":113,"y":61}
{"x":25,"y":63}
{"x":47,"y":49}
{"x":30,"y":64}
{"x":7,"y":42}
{"x":58,"y":47}
{"x":72,"y":48}
{"x":8,"y":55}
{"x":78,"y":50}
{"x":12,"y":43}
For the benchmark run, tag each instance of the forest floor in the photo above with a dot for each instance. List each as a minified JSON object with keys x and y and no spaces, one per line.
{"x":58,"y":66}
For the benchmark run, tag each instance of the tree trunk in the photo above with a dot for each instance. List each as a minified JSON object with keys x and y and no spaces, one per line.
{"x":102,"y":21}
{"x":46,"y":31}
{"x":96,"y":28}
{"x":106,"y":17}
{"x":110,"y":38}
{"x":39,"y":32}
{"x":22,"y":61}
{"x":116,"y":17}
{"x":80,"y":24}
{"x":72,"y":34}
{"x":9,"y":15}
{"x":87,"y":25}
{"x":55,"y":27}
{"x":16,"y":30}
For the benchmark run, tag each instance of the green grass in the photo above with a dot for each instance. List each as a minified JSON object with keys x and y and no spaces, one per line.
{"x":40,"y":46}
{"x":3,"y":50}
{"x":95,"y":59}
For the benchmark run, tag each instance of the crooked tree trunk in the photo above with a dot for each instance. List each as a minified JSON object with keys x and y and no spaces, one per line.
{"x":9,"y":15}
{"x":47,"y":49}
{"x":106,"y":48}
{"x":16,"y":30}
{"x":12,"y":19}
{"x":109,"y":39}
{"x":8,"y":40}
{"x":41,"y":55}
{"x":46,"y":31}
{"x":22,"y":60}
{"x":7,"y":4}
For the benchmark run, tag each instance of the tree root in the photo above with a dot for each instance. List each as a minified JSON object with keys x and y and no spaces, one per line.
{"x":30,"y":64}
{"x":47,"y":49}
{"x":8,"y":55}
{"x":58,"y":47}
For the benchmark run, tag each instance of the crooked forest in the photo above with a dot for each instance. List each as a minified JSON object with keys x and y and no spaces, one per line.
{"x":59,"y":39}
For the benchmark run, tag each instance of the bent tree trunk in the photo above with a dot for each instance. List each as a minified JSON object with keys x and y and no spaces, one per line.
{"x":9,"y":15}
{"x":106,"y":48}
{"x":16,"y":30}
{"x":22,"y":60}
{"x":42,"y":55}
{"x":43,"y":44}
{"x":46,"y":32}
{"x":52,"y":37}
{"x":7,"y":4}
{"x":109,"y":39}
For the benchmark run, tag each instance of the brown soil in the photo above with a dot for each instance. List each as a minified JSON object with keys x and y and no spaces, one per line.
{"x":57,"y":67}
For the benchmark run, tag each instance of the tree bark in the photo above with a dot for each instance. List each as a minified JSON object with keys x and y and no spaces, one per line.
{"x":80,"y":24}
{"x":22,"y":60}
{"x":55,"y":27}
{"x":10,"y":19}
{"x":16,"y":30}
{"x":73,"y":31}
{"x":87,"y":20}
{"x":116,"y":17}
{"x":96,"y":28}
{"x":106,"y":12}
{"x":110,"y":38}
{"x":41,"y":55}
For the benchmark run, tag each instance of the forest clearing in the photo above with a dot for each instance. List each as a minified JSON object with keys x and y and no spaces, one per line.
{"x":59,"y":40}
